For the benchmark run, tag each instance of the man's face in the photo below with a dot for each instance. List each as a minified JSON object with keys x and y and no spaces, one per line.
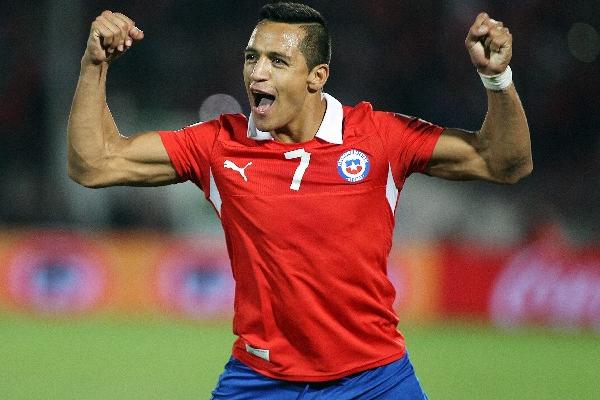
{"x":276,"y":76}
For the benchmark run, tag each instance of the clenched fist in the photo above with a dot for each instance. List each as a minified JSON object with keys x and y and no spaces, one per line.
{"x":111,"y":35}
{"x":489,"y":44}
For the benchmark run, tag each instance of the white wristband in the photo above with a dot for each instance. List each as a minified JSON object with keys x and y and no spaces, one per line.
{"x":497,"y":82}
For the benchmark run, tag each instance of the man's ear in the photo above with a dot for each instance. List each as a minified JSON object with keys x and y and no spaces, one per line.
{"x":318,"y":77}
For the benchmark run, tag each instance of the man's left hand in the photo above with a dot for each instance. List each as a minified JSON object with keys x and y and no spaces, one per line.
{"x":489,"y":44}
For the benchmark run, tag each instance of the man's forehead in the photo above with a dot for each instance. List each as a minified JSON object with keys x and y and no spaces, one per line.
{"x":277,"y":36}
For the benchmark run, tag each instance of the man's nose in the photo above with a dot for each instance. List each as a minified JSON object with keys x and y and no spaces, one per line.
{"x":261,"y":70}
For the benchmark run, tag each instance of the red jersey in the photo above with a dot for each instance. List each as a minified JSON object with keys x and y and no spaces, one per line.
{"x":309,"y":228}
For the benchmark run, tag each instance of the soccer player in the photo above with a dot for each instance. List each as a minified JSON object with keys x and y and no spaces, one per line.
{"x":306,"y":191}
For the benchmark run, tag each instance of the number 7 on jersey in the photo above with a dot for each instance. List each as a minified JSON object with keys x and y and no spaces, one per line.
{"x":304,"y":157}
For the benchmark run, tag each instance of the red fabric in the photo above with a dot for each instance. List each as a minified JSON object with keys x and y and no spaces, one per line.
{"x":309,"y":264}
{"x":410,"y":142}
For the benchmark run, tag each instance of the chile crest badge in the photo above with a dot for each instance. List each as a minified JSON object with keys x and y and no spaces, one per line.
{"x":353,"y":166}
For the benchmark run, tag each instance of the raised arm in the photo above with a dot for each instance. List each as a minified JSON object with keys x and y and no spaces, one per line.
{"x":501,"y":150}
{"x":98,"y":155}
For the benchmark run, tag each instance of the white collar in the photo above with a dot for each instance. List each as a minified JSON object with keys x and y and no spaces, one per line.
{"x":329,"y":131}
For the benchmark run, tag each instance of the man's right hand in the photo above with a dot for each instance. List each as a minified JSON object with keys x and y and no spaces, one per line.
{"x":111,"y":35}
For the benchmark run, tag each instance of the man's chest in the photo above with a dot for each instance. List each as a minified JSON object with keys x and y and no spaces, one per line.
{"x":306,"y":168}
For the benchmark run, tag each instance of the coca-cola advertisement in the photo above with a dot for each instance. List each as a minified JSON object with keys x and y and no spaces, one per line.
{"x":548,"y":281}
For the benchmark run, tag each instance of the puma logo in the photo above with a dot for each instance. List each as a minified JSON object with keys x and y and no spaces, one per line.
{"x":242,"y":171}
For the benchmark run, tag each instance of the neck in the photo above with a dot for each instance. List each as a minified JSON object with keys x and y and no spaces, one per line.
{"x":306,"y":126}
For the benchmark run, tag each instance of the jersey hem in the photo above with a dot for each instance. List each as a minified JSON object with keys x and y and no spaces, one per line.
{"x":246,"y":359}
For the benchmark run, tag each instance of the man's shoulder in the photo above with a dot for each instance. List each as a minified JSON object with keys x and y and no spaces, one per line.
{"x":233,"y":131}
{"x":233,"y":121}
{"x":362,"y":109}
{"x":363,"y":114}
{"x":362,"y":118}
{"x":230,"y":122}
{"x":225,"y":127}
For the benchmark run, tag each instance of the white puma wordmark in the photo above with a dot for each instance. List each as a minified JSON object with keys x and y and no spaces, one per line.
{"x":242,"y":171}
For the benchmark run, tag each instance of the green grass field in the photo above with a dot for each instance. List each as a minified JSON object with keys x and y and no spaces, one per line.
{"x":110,"y":358}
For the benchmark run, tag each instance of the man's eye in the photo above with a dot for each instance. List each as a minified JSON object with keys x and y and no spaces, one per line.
{"x":250,"y":57}
{"x":278,"y":61}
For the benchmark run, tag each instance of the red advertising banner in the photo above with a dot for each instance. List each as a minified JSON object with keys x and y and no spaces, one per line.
{"x":467,"y":276}
{"x":53,"y":273}
{"x":545,"y":282}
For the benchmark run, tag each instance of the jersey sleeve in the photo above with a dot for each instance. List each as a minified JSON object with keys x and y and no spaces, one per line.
{"x":190,"y":151}
{"x":410,"y":142}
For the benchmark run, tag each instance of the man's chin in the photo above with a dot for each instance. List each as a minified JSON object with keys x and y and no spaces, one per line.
{"x":261,"y":123}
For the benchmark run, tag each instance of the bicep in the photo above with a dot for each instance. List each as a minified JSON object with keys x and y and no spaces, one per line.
{"x":458,"y":156}
{"x":139,"y":160}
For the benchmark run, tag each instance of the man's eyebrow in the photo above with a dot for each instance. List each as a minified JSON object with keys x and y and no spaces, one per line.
{"x":274,"y":54}
{"x":271,"y":54}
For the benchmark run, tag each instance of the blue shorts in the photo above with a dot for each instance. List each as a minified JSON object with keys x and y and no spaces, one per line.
{"x":394,"y":381}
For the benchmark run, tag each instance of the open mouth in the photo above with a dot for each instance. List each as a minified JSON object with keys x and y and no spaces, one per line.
{"x":263,"y":101}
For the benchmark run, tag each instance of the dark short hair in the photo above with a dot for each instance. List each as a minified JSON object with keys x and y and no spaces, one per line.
{"x":316,"y":45}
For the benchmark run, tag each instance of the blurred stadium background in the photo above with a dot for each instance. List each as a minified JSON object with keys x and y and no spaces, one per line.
{"x":125,"y":292}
